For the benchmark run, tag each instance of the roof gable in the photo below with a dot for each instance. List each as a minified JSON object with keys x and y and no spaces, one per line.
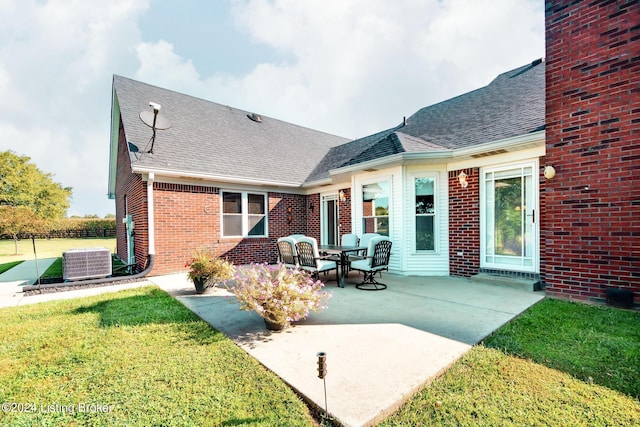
{"x":215,"y":140}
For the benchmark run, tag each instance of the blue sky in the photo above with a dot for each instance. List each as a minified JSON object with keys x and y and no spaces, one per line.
{"x":348,"y":67}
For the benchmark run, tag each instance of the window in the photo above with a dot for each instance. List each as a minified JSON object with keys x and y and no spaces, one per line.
{"x":375,"y":208}
{"x":425,"y":214}
{"x":244,"y":214}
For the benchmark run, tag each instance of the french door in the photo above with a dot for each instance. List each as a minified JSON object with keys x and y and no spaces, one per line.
{"x":509,"y":218}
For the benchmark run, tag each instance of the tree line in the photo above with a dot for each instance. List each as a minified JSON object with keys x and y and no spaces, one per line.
{"x":33,"y":205}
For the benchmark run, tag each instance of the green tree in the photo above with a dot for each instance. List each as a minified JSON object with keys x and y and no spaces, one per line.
{"x":29,"y":199}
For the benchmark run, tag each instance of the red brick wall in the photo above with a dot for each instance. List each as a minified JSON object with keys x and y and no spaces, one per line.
{"x":464,"y":224}
{"x":187,"y":218}
{"x":345,"y":213}
{"x":313,"y":218}
{"x":131,"y":185}
{"x":593,"y":130}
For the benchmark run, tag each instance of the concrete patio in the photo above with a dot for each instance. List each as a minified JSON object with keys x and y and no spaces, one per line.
{"x":381,"y":346}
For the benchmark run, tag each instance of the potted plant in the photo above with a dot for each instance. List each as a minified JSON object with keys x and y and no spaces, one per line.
{"x":206,"y":270}
{"x":280,"y":295}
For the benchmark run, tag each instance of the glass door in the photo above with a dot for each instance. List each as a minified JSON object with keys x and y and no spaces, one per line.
{"x":509,"y":237}
{"x":329,"y":220}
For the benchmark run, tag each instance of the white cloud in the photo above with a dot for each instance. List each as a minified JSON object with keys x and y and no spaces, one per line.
{"x":56,"y":61}
{"x":353,"y":67}
{"x":357,"y":67}
{"x":158,"y":61}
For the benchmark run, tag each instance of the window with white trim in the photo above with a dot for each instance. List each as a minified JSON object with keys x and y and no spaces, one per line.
{"x":375,"y":208}
{"x":425,"y":213}
{"x":244,"y":214}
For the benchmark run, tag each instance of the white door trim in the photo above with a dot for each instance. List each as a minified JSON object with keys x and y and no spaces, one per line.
{"x":488,"y":258}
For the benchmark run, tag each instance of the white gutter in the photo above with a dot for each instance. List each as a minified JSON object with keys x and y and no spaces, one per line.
{"x":150,"y":216}
{"x":209,"y":177}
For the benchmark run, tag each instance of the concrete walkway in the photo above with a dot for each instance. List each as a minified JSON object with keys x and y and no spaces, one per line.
{"x":381,"y":346}
{"x":25,"y":273}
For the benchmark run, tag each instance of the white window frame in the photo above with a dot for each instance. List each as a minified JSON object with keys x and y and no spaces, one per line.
{"x":535,"y":258}
{"x":244,"y":207}
{"x":389,"y":216}
{"x":436,"y":212}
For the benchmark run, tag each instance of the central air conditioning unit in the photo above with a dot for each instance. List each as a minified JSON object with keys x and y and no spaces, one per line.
{"x":90,"y":263}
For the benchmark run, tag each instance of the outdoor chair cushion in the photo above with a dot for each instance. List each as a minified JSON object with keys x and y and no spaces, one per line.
{"x":350,"y":240}
{"x":365,"y":264}
{"x":380,"y":250}
{"x":363,"y":242}
{"x":309,"y":257}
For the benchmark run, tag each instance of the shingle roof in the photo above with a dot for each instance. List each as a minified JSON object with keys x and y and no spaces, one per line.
{"x":512,"y":104}
{"x":213,"y":139}
{"x":218,"y":140}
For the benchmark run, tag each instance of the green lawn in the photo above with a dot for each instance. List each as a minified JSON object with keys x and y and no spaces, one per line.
{"x":560,"y":363}
{"x":156,"y":363}
{"x":49,"y":248}
{"x":141,"y":353}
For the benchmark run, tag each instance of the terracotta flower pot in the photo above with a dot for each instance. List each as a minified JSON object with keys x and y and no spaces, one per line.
{"x":272,"y":326}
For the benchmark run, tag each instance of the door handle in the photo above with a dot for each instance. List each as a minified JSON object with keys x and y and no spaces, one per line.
{"x":533,"y":216}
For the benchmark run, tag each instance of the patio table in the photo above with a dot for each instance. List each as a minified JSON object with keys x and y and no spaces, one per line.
{"x":344,"y":252}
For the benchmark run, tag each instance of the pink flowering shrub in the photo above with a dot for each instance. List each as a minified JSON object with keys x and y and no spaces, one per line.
{"x":277,"y":293}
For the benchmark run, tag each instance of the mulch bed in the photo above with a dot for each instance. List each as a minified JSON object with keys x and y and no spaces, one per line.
{"x":74,"y":286}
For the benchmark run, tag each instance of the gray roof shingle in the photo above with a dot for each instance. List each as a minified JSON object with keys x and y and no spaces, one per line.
{"x":217,"y":140}
{"x":512,"y":104}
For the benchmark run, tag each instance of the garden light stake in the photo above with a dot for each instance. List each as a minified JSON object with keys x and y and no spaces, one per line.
{"x":322,"y":373}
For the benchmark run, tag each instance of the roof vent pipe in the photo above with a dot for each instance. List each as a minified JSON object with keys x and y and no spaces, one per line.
{"x":255,"y":117}
{"x":404,"y":121}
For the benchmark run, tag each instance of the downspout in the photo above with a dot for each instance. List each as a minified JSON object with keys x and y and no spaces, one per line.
{"x":150,"y":213}
{"x":143,"y":273}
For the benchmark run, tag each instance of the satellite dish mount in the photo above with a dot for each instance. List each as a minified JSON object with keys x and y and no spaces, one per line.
{"x":155,"y":121}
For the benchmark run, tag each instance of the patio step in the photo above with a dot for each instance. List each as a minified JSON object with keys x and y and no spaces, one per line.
{"x":507,"y":281}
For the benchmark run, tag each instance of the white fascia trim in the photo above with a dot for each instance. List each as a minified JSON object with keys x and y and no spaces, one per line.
{"x":216,"y":178}
{"x":113,"y":147}
{"x":371,"y":164}
{"x":318,"y":183}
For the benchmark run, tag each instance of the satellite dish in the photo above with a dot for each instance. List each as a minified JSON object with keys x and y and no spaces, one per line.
{"x":155,"y":121}
{"x":161,"y":122}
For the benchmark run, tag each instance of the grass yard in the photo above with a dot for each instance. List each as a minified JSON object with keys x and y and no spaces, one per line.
{"x":49,"y":248}
{"x":155,"y":363}
{"x":143,"y":356}
{"x":560,"y":363}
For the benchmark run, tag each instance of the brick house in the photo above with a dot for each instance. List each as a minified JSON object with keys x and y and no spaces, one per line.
{"x":459,"y":186}
{"x":592,"y":208}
